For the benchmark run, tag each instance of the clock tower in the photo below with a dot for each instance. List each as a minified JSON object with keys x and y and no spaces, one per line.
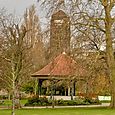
{"x":59,"y":34}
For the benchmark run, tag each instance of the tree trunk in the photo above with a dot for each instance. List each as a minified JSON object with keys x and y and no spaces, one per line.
{"x":13,"y":84}
{"x":72,"y":90}
{"x":110,"y":53}
{"x":36,"y":87}
{"x":9,"y":98}
{"x":52,"y":93}
{"x":13,"y":98}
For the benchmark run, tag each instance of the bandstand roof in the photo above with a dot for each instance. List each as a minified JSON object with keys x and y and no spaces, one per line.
{"x":61,"y":67}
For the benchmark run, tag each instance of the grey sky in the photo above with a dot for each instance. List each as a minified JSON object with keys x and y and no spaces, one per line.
{"x":16,"y":6}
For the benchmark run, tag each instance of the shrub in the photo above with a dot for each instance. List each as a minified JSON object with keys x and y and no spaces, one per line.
{"x":43,"y":101}
{"x":37,"y":101}
{"x":91,"y":101}
{"x":3,"y":97}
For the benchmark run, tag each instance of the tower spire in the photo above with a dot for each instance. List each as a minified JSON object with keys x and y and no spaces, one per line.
{"x":60,"y":5}
{"x":61,"y":2}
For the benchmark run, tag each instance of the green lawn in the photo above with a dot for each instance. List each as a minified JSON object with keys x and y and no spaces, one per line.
{"x":9,"y":102}
{"x":64,"y":111}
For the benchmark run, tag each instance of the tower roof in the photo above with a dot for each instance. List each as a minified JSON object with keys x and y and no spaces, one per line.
{"x":59,"y":14}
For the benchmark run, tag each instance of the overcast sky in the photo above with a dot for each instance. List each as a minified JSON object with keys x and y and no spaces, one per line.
{"x":16,"y":6}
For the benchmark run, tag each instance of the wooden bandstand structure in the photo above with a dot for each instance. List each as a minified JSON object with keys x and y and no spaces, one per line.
{"x":61,"y":69}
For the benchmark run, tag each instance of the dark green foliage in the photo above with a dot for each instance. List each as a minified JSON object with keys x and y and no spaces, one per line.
{"x":28,"y":89}
{"x":43,"y":101}
{"x":37,"y":101}
{"x":3,"y":97}
{"x":92,"y":101}
{"x":72,"y":102}
{"x":1,"y":102}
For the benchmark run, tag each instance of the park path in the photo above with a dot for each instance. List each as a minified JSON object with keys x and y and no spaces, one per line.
{"x":78,"y":106}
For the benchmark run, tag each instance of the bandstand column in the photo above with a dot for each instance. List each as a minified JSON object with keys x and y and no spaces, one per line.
{"x":68,"y":91}
{"x":39,"y":87}
{"x":52,"y":92}
{"x":74,"y":88}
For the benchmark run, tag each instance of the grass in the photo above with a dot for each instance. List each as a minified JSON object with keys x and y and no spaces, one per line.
{"x":9,"y":102}
{"x":62,"y":111}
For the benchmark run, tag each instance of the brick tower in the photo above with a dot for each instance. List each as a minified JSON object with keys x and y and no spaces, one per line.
{"x":59,"y":34}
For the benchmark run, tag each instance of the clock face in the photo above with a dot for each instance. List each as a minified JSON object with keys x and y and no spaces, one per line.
{"x":58,"y":22}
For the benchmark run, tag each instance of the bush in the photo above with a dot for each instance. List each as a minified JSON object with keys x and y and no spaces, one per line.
{"x":37,"y":101}
{"x":43,"y":101}
{"x":92,"y":101}
{"x":1,"y":102}
{"x":3,"y":97}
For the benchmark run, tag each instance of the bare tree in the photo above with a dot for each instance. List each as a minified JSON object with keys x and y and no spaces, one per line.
{"x":13,"y":54}
{"x":16,"y":53}
{"x":34,"y":36}
{"x":104,"y":23}
{"x":34,"y":39}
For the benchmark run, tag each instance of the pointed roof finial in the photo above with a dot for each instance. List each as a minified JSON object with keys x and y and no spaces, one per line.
{"x":64,"y":52}
{"x":61,"y":2}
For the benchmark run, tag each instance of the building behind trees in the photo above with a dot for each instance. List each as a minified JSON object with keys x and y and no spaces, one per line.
{"x":59,"y":34}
